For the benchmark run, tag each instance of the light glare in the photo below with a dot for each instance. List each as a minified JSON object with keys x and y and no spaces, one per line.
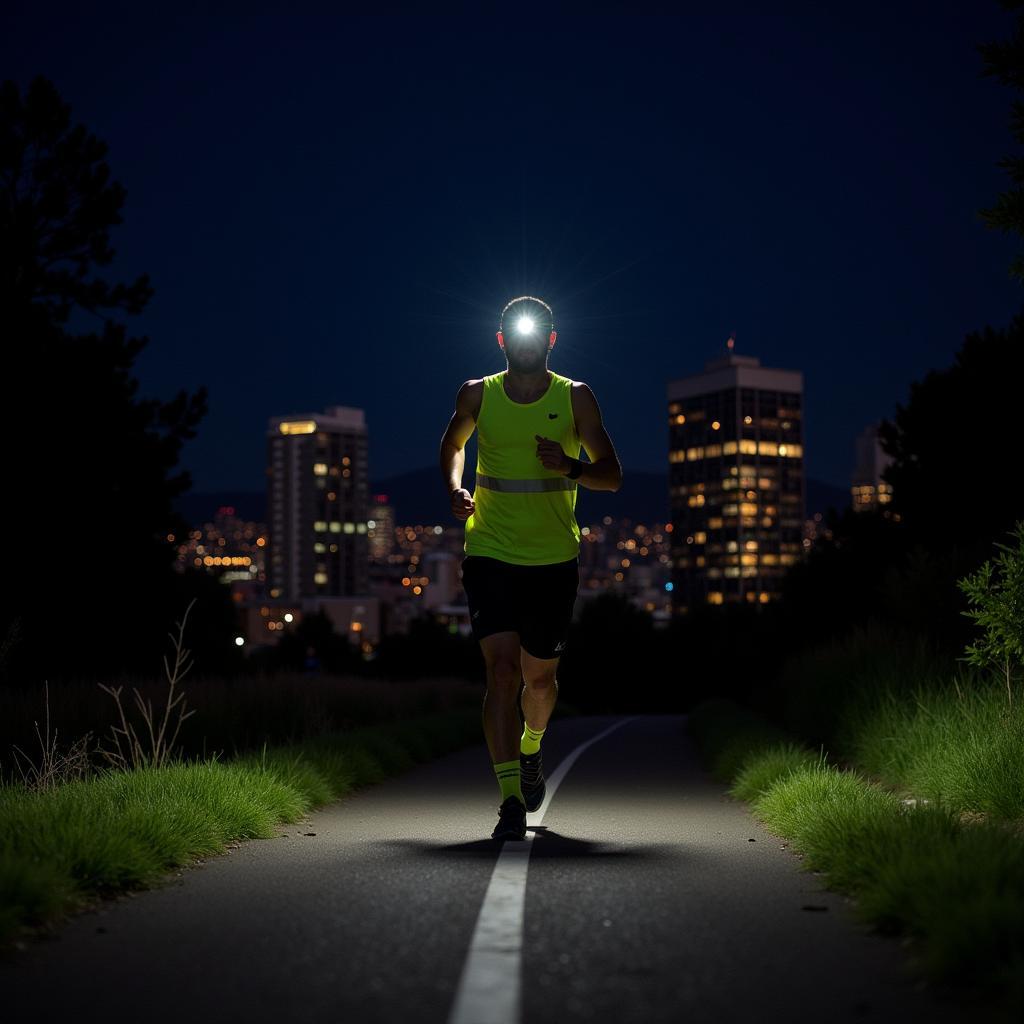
{"x":524,"y":325}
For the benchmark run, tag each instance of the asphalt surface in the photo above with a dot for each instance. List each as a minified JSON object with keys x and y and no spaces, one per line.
{"x":646,"y":900}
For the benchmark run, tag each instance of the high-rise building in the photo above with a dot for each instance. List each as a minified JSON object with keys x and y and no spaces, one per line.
{"x":736,"y":481}
{"x":318,"y":483}
{"x":867,"y":488}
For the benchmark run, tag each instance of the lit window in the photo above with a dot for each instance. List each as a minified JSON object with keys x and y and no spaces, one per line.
{"x":298,"y":427}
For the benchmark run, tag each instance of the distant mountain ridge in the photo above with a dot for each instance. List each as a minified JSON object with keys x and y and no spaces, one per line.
{"x":418,"y":498}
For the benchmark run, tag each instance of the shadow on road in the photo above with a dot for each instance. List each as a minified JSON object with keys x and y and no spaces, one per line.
{"x":546,"y":843}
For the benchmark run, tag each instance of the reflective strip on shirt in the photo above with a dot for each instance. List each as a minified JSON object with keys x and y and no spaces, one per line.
{"x":495,"y":483}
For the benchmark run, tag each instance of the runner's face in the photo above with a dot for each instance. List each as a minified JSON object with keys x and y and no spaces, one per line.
{"x":526,"y":351}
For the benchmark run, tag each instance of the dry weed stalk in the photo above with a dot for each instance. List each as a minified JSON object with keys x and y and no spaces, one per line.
{"x":128,"y":750}
{"x":54,"y":768}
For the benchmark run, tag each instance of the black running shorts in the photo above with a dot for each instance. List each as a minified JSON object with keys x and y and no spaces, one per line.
{"x":535,"y":601}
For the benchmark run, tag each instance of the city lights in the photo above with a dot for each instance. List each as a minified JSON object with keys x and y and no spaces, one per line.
{"x":299,"y":427}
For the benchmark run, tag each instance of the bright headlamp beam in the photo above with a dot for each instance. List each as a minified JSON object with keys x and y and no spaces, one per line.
{"x":524,"y":325}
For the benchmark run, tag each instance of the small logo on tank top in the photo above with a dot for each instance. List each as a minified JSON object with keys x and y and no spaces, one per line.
{"x":552,"y":415}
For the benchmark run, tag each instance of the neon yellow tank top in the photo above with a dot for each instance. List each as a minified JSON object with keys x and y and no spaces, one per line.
{"x":525,"y":513}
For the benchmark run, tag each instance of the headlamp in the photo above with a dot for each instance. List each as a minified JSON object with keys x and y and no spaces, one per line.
{"x":529,"y":319}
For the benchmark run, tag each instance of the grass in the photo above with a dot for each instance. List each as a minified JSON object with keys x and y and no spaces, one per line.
{"x":819,"y":687}
{"x":729,"y":733}
{"x":955,"y":888}
{"x":63,"y":847}
{"x":958,"y":744}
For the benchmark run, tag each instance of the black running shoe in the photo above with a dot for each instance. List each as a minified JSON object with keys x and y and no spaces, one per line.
{"x":511,"y":820}
{"x":532,"y":775}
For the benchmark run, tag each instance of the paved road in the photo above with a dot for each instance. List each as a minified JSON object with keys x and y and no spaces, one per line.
{"x":646,"y":900}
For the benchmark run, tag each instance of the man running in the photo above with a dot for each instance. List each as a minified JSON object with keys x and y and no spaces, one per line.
{"x":521,"y":569}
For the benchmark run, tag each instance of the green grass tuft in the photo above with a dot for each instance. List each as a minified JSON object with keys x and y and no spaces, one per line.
{"x":125,"y":830}
{"x":762,"y":769}
{"x":957,"y":888}
{"x":728,"y":734}
{"x":965,"y":750}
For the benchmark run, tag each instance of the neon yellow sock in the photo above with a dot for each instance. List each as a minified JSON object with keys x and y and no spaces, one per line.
{"x":530,"y":742}
{"x":508,"y":778}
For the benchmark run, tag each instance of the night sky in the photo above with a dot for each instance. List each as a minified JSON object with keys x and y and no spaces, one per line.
{"x":334,"y":210}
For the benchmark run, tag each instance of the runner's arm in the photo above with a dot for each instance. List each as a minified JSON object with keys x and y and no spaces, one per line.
{"x":604,"y":471}
{"x":453,"y":443}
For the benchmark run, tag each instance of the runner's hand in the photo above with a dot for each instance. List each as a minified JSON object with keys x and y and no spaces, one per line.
{"x":463,"y":505}
{"x":552,"y":456}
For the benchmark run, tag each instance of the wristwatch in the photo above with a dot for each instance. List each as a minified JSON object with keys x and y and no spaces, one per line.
{"x":577,"y":469}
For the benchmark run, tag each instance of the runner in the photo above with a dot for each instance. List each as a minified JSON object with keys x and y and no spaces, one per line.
{"x":521,"y":565}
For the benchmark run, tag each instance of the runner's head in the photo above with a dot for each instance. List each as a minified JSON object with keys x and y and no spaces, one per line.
{"x":526,"y":334}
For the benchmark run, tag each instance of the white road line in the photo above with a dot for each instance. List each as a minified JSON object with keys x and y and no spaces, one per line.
{"x":489,"y":989}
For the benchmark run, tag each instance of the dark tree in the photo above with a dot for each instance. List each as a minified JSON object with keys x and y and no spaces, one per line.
{"x":87,"y":516}
{"x":956,"y":469}
{"x":1005,"y":61}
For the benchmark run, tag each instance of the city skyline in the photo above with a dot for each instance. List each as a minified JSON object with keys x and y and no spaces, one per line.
{"x":701,"y":192}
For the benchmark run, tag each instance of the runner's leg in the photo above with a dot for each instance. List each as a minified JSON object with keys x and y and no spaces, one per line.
{"x":500,"y":711}
{"x":540,"y":691}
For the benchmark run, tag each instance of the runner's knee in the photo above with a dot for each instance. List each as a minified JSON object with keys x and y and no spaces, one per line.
{"x":503,"y":674}
{"x":539,"y":680}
